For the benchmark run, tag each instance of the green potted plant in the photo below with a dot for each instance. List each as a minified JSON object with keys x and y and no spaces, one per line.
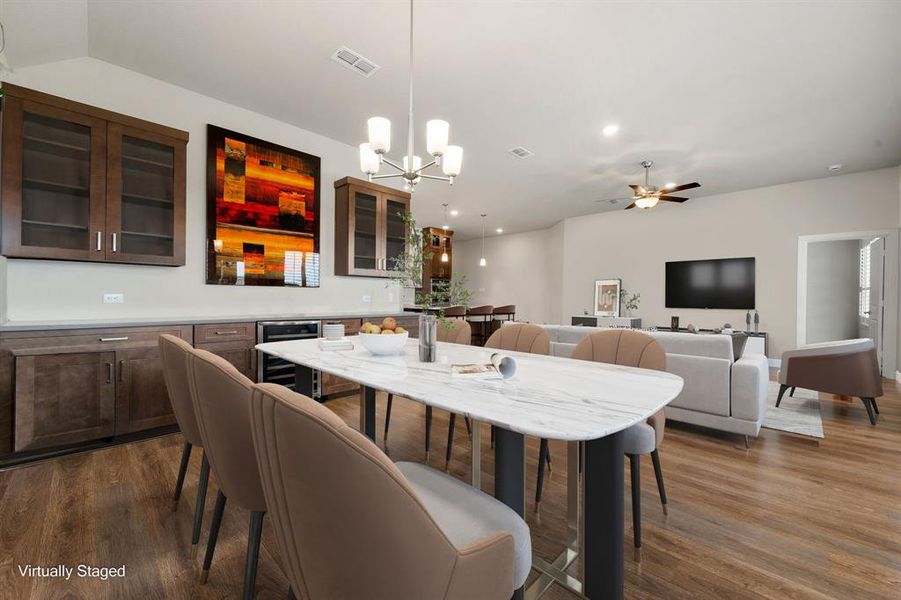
{"x":409,"y":269}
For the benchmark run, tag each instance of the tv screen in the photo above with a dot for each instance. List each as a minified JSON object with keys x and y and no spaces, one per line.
{"x":719,"y":283}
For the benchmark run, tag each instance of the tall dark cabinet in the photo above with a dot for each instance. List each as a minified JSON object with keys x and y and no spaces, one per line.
{"x":83,"y":183}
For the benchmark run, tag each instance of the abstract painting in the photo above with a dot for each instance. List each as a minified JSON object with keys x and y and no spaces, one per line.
{"x":262,"y":212}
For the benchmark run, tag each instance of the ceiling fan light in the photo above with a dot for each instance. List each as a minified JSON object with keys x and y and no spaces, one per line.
{"x":436,"y":132}
{"x":369,"y":160}
{"x":379,"y":134}
{"x":453,"y":161}
{"x":646,"y":202}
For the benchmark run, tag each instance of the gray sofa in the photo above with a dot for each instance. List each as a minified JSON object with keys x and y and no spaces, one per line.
{"x":720,"y":392}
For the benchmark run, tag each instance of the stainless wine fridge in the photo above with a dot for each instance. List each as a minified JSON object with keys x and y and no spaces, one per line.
{"x":275,"y":370}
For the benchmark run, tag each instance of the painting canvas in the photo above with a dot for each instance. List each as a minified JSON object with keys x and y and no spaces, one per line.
{"x":262,"y":212}
{"x":606,"y":297}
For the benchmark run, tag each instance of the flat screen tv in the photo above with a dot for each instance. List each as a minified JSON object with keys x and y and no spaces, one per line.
{"x":718,"y":283}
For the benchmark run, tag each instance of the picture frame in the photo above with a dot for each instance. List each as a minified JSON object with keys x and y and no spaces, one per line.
{"x":606,"y":297}
{"x":263,"y":212}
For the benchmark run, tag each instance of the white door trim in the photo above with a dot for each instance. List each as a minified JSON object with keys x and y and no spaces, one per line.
{"x":890,"y":325}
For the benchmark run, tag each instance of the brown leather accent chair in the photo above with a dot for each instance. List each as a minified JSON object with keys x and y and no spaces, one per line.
{"x":480,"y":317}
{"x":845,"y":368}
{"x":452,"y":331}
{"x":221,"y":396}
{"x":632,"y":349}
{"x":174,"y":353}
{"x":352,"y":524}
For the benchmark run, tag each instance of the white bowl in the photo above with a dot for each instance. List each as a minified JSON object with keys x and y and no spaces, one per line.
{"x":384,"y":345}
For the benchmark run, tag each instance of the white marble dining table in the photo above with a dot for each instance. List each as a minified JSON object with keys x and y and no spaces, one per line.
{"x":548,"y":397}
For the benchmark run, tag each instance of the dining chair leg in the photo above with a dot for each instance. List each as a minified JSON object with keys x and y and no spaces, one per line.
{"x":200,"y":503}
{"x":782,"y":388}
{"x":658,"y":473}
{"x":387,"y":419}
{"x":875,"y":408}
{"x":214,"y":535}
{"x":547,"y":459}
{"x":634,"y":469}
{"x":868,"y":404}
{"x":253,"y":553}
{"x":542,"y":459}
{"x":428,"y":431}
{"x":182,"y":469}
{"x":450,"y":441}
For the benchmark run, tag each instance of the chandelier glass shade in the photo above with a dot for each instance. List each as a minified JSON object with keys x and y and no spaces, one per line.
{"x":411,"y":169}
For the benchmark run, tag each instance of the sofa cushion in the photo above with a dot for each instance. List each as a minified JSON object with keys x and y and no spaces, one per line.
{"x":706,"y":383}
{"x":695,"y":344}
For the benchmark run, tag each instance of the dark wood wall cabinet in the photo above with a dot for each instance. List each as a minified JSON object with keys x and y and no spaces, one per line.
{"x":369,"y":227}
{"x":436,"y":272}
{"x":84,"y":183}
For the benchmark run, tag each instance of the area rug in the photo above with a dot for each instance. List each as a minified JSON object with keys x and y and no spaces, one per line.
{"x":799,"y":414}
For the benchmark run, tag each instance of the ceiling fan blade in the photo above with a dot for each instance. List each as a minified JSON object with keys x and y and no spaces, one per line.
{"x":686,"y":186}
{"x":673,"y":198}
{"x":639,"y":190}
{"x":614,"y":200}
{"x":630,"y":206}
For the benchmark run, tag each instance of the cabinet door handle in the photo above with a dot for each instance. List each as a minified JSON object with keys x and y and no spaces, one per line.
{"x":109,"y":372}
{"x":121,"y":370}
{"x":115,"y":246}
{"x":226,"y":333}
{"x":99,"y":241}
{"x":114,"y":339}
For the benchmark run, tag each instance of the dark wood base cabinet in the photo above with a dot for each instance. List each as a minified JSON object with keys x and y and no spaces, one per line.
{"x":65,"y":388}
{"x":232,"y":341}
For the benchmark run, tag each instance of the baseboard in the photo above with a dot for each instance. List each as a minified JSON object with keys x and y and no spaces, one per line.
{"x":775,"y":363}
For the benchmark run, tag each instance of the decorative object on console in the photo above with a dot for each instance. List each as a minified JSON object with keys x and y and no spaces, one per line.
{"x":372,"y":154}
{"x":262,"y":212}
{"x":674,"y":323}
{"x":756,"y":322}
{"x":629,"y":303}
{"x":748,"y":321}
{"x":606,"y":297}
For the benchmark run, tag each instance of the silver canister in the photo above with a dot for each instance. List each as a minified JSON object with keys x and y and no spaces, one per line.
{"x":428,"y":337}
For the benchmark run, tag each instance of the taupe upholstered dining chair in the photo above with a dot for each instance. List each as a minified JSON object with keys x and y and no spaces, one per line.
{"x":352,"y":524}
{"x":452,"y":331}
{"x":633,"y":349}
{"x":174,"y":353}
{"x":221,"y":396}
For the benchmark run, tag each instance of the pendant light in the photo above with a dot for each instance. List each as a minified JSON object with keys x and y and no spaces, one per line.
{"x":482,"y":261}
{"x":444,"y":256}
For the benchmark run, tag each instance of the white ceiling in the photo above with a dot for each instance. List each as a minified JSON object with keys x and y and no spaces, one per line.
{"x":735,"y":95}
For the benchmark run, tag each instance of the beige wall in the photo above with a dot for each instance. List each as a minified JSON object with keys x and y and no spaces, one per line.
{"x":764,"y":223}
{"x":39,"y":290}
{"x":519,"y":271}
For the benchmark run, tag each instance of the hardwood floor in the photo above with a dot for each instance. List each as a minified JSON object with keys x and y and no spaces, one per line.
{"x":791,"y":518}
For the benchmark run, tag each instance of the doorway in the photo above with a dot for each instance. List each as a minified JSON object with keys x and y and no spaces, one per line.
{"x":847,"y":289}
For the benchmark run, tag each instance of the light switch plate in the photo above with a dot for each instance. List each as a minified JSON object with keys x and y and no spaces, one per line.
{"x":114,"y":298}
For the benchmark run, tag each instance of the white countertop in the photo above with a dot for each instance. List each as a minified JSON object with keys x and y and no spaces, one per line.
{"x":14,"y":326}
{"x":550,"y":397}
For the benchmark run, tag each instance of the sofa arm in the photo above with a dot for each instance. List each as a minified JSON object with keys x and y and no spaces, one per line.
{"x":750,"y":382}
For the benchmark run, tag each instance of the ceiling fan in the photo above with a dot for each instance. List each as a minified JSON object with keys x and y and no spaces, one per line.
{"x":647,"y":196}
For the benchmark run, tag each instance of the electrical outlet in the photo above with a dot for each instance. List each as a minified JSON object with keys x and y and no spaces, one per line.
{"x":114,"y":298}
{"x":367,"y":299}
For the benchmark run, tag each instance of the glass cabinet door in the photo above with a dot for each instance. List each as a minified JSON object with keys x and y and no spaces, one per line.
{"x":366,"y":225}
{"x":145,"y":216}
{"x":54,"y":172}
{"x":395,"y":231}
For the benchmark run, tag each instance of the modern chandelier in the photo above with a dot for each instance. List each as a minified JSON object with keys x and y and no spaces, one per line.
{"x":372,"y":153}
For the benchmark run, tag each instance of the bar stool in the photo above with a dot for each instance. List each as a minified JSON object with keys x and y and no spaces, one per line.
{"x":174,"y":353}
{"x":501,"y":314}
{"x":455,"y":312}
{"x":221,"y":396}
{"x":480,"y":318}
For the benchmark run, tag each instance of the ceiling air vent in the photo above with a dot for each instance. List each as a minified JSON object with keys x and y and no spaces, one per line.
{"x":346,"y":57}
{"x":520,"y":152}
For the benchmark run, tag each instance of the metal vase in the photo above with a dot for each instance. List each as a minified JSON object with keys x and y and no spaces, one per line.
{"x":428,"y":337}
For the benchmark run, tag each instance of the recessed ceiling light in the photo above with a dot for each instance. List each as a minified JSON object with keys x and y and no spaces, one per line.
{"x":455,"y":212}
{"x":499,"y":230}
{"x":670,"y":185}
{"x":835,"y":167}
{"x":610,"y":129}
